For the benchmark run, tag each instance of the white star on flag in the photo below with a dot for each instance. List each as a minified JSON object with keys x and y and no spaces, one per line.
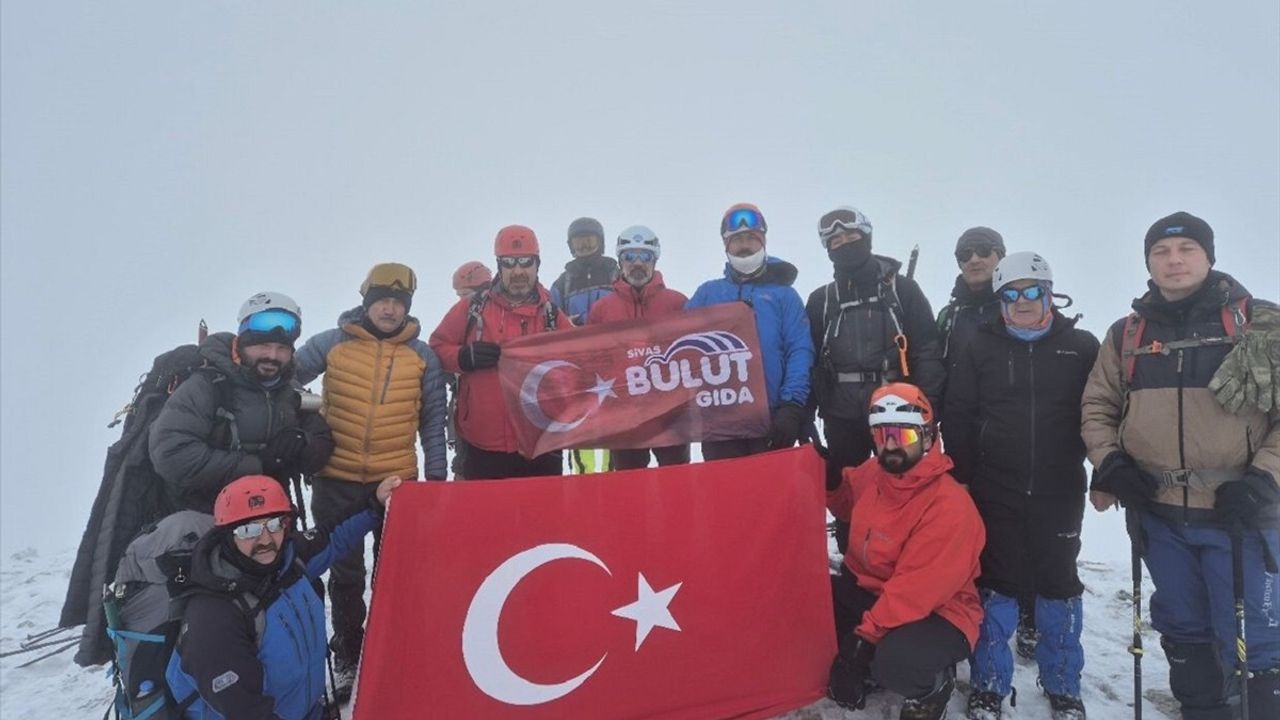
{"x":603,"y":388}
{"x":650,"y":609}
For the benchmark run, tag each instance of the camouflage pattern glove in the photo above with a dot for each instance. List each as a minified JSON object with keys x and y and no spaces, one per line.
{"x":1249,"y":376}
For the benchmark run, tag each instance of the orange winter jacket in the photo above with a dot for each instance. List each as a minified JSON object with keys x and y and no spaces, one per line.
{"x":379,"y":395}
{"x":482,"y":417}
{"x":914,"y":542}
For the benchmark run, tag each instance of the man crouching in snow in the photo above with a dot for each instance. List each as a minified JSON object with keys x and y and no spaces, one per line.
{"x":252,"y":645}
{"x":905,"y":602}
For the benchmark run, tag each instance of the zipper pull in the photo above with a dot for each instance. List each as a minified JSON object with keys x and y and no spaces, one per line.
{"x":1180,"y":362}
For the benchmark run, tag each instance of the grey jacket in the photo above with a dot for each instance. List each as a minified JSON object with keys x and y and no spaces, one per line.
{"x":198,"y":450}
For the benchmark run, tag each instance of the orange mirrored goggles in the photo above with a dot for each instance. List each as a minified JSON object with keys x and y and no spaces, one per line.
{"x":902,"y":435}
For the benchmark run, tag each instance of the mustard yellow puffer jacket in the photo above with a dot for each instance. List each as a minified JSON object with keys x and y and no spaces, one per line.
{"x":377,"y":394}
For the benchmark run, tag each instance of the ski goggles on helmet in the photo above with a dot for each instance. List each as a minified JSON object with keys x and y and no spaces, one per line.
{"x":1010,"y":295}
{"x":742,"y":220}
{"x":524,"y":261}
{"x":982,"y":250}
{"x":254,"y":529}
{"x":842,"y":220}
{"x":902,"y":435}
{"x":273,"y":323}
{"x":635,"y":256}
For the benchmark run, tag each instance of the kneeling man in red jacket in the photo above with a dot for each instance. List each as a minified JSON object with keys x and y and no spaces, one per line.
{"x":905,"y":602}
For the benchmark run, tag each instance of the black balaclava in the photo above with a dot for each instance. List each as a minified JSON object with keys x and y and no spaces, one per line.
{"x":848,"y":258}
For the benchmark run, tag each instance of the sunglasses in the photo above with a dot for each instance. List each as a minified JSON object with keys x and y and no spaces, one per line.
{"x":904,"y":436}
{"x":1011,"y":295}
{"x":269,"y":321}
{"x":743,"y":219}
{"x":636,"y":256}
{"x":524,"y":261}
{"x":982,"y":251}
{"x":251,"y":530}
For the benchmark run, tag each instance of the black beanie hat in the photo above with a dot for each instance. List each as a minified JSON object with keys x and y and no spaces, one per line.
{"x":378,"y":292}
{"x":1180,"y":224}
{"x":981,"y":235}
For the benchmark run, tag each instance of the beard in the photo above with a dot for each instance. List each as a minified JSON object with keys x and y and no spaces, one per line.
{"x":266,"y":369}
{"x":895,"y":461}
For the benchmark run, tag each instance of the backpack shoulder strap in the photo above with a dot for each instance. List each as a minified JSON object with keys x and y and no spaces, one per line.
{"x":475,"y":314}
{"x":1130,"y":341}
{"x":889,"y":296}
{"x":549,"y":315}
{"x":1235,"y":317}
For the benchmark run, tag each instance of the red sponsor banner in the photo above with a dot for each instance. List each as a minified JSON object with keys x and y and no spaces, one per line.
{"x":689,"y":377}
{"x":695,"y":591}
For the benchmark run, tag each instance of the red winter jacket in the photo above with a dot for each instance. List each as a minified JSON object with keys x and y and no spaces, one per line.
{"x":914,"y":542}
{"x":482,"y":415}
{"x":654,"y":300}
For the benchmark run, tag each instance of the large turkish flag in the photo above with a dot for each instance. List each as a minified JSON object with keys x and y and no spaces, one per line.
{"x":689,"y":377}
{"x":694,"y":591}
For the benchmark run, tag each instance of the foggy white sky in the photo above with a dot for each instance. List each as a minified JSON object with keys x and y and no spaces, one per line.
{"x":162,"y":161}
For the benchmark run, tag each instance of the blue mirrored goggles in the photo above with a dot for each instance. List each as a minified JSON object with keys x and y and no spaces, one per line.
{"x":1032,"y":293}
{"x":251,"y":530}
{"x":267,"y":322}
{"x":743,"y":219}
{"x":635,"y":256}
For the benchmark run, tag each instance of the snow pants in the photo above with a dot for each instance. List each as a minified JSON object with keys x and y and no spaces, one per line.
{"x":1059,"y":654}
{"x":636,"y":459}
{"x":912,"y":660}
{"x":1193,"y":609}
{"x":849,"y":442}
{"x":331,"y":502}
{"x":480,"y":464}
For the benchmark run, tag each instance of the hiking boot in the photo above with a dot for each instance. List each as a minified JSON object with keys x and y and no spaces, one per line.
{"x":1027,"y":638}
{"x":983,"y":705}
{"x":930,"y":707}
{"x":1066,"y":707}
{"x":344,"y":678}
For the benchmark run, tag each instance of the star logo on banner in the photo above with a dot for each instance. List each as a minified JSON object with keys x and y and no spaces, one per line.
{"x":603,"y":388}
{"x":650,"y":609}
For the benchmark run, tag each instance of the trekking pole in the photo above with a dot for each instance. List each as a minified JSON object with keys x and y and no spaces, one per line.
{"x":33,"y":638}
{"x":300,"y":502}
{"x":911,"y":262}
{"x":1237,"y":588}
{"x":1135,"y":647}
{"x":26,"y":648}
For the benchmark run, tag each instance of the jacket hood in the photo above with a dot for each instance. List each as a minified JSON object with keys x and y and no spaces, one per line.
{"x":900,"y":488}
{"x":654,"y":285}
{"x":962,"y":294}
{"x":598,"y":262}
{"x":776,"y":272}
{"x":217,"y":349}
{"x":1219,"y":289}
{"x":352,"y":323}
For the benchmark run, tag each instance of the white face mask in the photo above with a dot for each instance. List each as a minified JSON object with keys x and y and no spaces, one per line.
{"x":747,"y":265}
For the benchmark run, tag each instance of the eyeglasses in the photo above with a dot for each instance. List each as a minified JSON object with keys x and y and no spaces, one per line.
{"x":251,"y":530}
{"x":968,"y":251}
{"x":904,"y":436}
{"x":743,"y":219}
{"x":1031,"y":292}
{"x":636,"y":256}
{"x":275,"y":320}
{"x":524,"y":261}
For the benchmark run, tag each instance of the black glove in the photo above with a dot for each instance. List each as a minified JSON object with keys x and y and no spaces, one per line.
{"x":478,"y":356}
{"x":850,"y":674}
{"x":1121,"y":476}
{"x":1241,"y":500}
{"x":282,"y":455}
{"x":786,"y":426}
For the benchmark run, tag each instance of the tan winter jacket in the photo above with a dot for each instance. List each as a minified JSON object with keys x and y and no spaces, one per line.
{"x":1172,"y":421}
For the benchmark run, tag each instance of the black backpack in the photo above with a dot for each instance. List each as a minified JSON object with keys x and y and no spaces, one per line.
{"x":132,"y":496}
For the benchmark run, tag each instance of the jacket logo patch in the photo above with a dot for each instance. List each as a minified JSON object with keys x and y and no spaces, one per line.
{"x":225,"y":680}
{"x":1066,"y":352}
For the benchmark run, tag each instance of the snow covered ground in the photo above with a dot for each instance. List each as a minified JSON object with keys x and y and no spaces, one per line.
{"x":32,"y":583}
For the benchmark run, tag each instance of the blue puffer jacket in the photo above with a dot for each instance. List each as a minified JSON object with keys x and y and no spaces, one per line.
{"x":220,"y":655}
{"x":783,"y":327}
{"x":584,"y":281}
